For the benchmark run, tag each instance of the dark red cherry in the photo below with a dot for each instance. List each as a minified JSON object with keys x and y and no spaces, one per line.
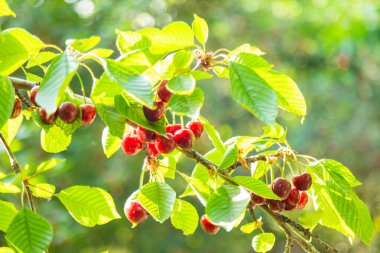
{"x":17,"y":108}
{"x":88,"y":114}
{"x":257,"y":200}
{"x":287,"y":206}
{"x":275,"y":205}
{"x":130,"y":144}
{"x":293,"y":198}
{"x":184,"y":138}
{"x":145,"y":135}
{"x":303,"y":181}
{"x":163,"y":144}
{"x":196,"y":127}
{"x":303,"y":200}
{"x":48,"y":120}
{"x":33,"y":94}
{"x":163,"y":93}
{"x":173,"y":128}
{"x":152,"y":149}
{"x":209,"y":227}
{"x":156,"y":114}
{"x":68,"y":112}
{"x":281,"y":187}
{"x":135,"y":212}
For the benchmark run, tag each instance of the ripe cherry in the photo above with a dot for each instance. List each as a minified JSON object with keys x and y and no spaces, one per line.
{"x":163,"y":93}
{"x":156,"y":114}
{"x":33,"y":94}
{"x":281,"y":187}
{"x":152,"y":149}
{"x":209,"y":227}
{"x":173,"y":128}
{"x":145,"y":135}
{"x":163,"y":144}
{"x":303,"y":200}
{"x":184,"y":138}
{"x":294,"y":197}
{"x":17,"y":108}
{"x":48,"y":120}
{"x":88,"y":114}
{"x":135,"y":212}
{"x":257,"y":200}
{"x":196,"y":127}
{"x":130,"y":144}
{"x":68,"y":112}
{"x":287,"y":206}
{"x":276,"y":205}
{"x":303,"y":181}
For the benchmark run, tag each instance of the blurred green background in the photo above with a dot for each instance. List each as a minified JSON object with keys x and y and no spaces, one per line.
{"x":330,"y":48}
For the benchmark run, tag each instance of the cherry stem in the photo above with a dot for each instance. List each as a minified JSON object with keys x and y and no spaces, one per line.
{"x":14,"y":164}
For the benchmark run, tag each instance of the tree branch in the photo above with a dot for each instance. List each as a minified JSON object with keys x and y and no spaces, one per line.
{"x":12,"y":158}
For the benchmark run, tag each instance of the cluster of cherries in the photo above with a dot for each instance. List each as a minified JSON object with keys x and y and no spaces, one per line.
{"x":290,"y":197}
{"x":68,"y":112}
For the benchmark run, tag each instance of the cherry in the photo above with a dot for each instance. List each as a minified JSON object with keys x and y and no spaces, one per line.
{"x":257,"y":200}
{"x":287,"y":206}
{"x":156,"y":114}
{"x":196,"y":127}
{"x":152,"y":149}
{"x":163,"y":144}
{"x":163,"y":93}
{"x":209,"y":227}
{"x":303,"y":181}
{"x":173,"y":128}
{"x":33,"y":94}
{"x":88,"y":114}
{"x":130,"y":144}
{"x":145,"y":135}
{"x":294,"y":197}
{"x":68,"y":112}
{"x":48,"y":120}
{"x":276,"y":205}
{"x":135,"y":212}
{"x":17,"y":108}
{"x":281,"y":187}
{"x":303,"y":200}
{"x":184,"y":138}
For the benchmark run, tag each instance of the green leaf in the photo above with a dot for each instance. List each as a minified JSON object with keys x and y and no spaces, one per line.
{"x":250,"y":227}
{"x":339,"y":172}
{"x":184,"y":217}
{"x":200,"y":75}
{"x":128,"y":41}
{"x":259,"y":168}
{"x":200,"y":29}
{"x":48,"y":165}
{"x":168,"y":167}
{"x":276,"y":131}
{"x":41,"y":58}
{"x":181,"y":84}
{"x":10,"y":129}
{"x":253,"y":93}
{"x":8,"y":212}
{"x":7,"y":99}
{"x":29,"y":232}
{"x":225,"y":205}
{"x":6,"y":250}
{"x":42,"y":190}
{"x":54,"y":140}
{"x":57,"y":79}
{"x":263,"y":242}
{"x":256,"y":186}
{"x":187,"y":105}
{"x":89,"y":206}
{"x":213,"y":135}
{"x":83,"y":45}
{"x":110,"y":143}
{"x":175,"y":36}
{"x":5,"y":10}
{"x":310,"y":220}
{"x":102,"y":52}
{"x":158,"y":199}
{"x":196,"y":186}
{"x":137,"y":86}
{"x":8,"y":187}
{"x":230,"y":157}
{"x":253,"y":61}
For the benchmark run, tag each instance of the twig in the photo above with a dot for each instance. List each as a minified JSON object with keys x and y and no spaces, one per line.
{"x":12,"y":158}
{"x":24,"y":101}
{"x":29,"y":195}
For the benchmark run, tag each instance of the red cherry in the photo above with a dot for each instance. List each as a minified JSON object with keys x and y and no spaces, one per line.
{"x":257,"y":200}
{"x":293,"y":198}
{"x":130,"y":144}
{"x":303,"y":200}
{"x":48,"y":120}
{"x":33,"y":94}
{"x":156,"y":114}
{"x":135,"y":212}
{"x":145,"y":135}
{"x":88,"y":114}
{"x":196,"y":127}
{"x":303,"y":181}
{"x":152,"y":149}
{"x":184,"y":138}
{"x":17,"y":108}
{"x":209,"y":227}
{"x":163,"y":144}
{"x":173,"y":128}
{"x":163,"y":93}
{"x":281,"y":187}
{"x":287,"y":206}
{"x":68,"y":112}
{"x":275,"y":205}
